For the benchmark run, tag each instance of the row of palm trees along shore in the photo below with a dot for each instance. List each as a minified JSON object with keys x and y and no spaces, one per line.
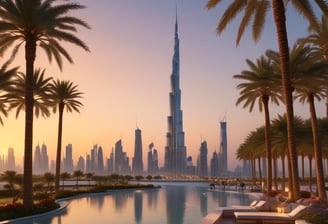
{"x":282,"y":76}
{"x":278,"y":76}
{"x":43,"y":183}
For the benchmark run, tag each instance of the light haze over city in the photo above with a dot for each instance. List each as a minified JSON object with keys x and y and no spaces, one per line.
{"x":126,"y":79}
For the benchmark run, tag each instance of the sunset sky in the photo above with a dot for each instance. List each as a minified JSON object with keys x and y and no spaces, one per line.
{"x":126,"y":79}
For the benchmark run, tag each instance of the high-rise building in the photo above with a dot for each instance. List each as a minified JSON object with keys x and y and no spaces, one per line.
{"x":223,"y":157}
{"x":110,"y":163}
{"x":202,"y":160}
{"x":11,"y":165}
{"x":137,"y":163}
{"x":37,"y":160}
{"x":100,"y":168}
{"x":126,"y":168}
{"x":215,"y":165}
{"x":152,"y":160}
{"x":191,"y":168}
{"x":155,"y":162}
{"x":121,"y":160}
{"x":175,"y":160}
{"x":80,"y":164}
{"x":68,"y":160}
{"x":44,"y":159}
{"x":2,"y":163}
{"x":88,"y":164}
{"x":94,"y":159}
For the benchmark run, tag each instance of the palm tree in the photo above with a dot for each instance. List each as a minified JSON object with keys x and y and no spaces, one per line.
{"x":318,"y":40}
{"x":49,"y":178}
{"x":64,"y":176}
{"x":64,"y":94}
{"x":280,"y":139}
{"x":323,"y":133}
{"x":260,"y":84}
{"x":37,"y":23}
{"x":308,"y":77}
{"x":257,"y":10}
{"x":9,"y":176}
{"x":252,"y":149}
{"x":5,"y":82}
{"x":310,"y":85}
{"x":89,"y":177}
{"x":77,"y":174}
{"x":41,"y":91}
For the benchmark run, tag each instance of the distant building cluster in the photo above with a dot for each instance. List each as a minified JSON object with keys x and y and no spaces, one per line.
{"x":41,"y":160}
{"x":8,"y":162}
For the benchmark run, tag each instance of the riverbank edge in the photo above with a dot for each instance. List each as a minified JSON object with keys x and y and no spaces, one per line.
{"x":64,"y":202}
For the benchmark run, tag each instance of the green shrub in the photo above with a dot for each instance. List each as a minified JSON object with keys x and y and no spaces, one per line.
{"x":316,"y":218}
{"x":12,"y":211}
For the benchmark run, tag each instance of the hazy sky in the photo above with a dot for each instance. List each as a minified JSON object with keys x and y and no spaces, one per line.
{"x":126,"y":79}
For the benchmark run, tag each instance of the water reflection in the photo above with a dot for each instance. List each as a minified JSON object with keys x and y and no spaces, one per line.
{"x":137,"y":206}
{"x":174,"y":203}
{"x":152,"y":198}
{"x":203,"y":203}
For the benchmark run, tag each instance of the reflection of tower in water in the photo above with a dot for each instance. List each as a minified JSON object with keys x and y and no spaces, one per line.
{"x":203,"y":203}
{"x":138,"y":206}
{"x":152,"y":198}
{"x":175,"y":204}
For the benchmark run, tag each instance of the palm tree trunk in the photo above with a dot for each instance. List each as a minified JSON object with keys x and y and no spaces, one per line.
{"x":317,"y":151}
{"x":253,"y":171}
{"x":275,"y":171}
{"x":59,"y":143}
{"x":327,"y":107}
{"x":265,"y":101}
{"x":302,"y":167}
{"x":310,"y":175}
{"x":30,"y":51}
{"x":290,"y":183}
{"x":283,"y":174}
{"x":260,"y":170}
{"x":280,"y":21}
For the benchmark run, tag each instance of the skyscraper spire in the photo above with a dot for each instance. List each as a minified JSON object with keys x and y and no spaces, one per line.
{"x":175,"y":150}
{"x":176,"y":20}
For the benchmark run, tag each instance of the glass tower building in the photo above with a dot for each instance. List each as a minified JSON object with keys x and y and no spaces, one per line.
{"x":175,"y":160}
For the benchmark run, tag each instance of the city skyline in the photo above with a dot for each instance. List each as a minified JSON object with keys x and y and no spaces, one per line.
{"x":125,"y":79}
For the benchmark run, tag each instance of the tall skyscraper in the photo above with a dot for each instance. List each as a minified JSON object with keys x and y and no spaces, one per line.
{"x":119,"y":157}
{"x":94,"y":159}
{"x":223,"y":165}
{"x":175,"y":151}
{"x":68,"y":160}
{"x":202,"y":160}
{"x":152,"y":160}
{"x":100,"y":160}
{"x":80,"y":164}
{"x":37,"y":160}
{"x":137,"y":163}
{"x":88,"y":164}
{"x":11,"y":165}
{"x":215,"y":165}
{"x":110,"y":163}
{"x":44,"y":158}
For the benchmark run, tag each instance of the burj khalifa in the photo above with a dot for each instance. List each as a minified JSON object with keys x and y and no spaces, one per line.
{"x":175,"y":151}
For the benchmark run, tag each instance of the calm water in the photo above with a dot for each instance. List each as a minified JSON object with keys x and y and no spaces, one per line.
{"x":174,"y":203}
